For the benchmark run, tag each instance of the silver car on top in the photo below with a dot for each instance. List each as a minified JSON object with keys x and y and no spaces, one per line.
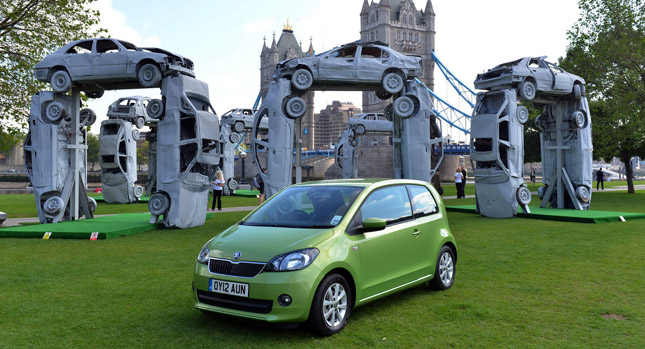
{"x":105,"y":63}
{"x":357,"y":63}
{"x":532,"y":76}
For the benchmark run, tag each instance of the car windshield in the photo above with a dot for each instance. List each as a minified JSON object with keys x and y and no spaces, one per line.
{"x":306,"y":207}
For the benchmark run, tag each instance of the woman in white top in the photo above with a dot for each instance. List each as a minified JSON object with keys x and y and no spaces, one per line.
{"x":218,"y":187}
{"x":459,"y":177}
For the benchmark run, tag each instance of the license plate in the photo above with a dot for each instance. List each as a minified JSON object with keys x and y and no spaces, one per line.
{"x":228,"y":287}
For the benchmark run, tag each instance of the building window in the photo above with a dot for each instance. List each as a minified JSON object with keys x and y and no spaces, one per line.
{"x":405,"y":36}
{"x":398,"y":35}
{"x":410,"y":20}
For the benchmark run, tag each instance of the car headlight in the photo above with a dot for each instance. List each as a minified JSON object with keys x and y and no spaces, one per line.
{"x":295,"y":260}
{"x":204,"y":255}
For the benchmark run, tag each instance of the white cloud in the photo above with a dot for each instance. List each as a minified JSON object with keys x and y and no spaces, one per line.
{"x":115,"y":22}
{"x":259,"y":27}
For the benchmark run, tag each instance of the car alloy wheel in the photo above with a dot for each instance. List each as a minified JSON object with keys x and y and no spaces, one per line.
{"x":444,"y":270}
{"x":53,"y":205}
{"x":523,"y":195}
{"x":302,"y":79}
{"x":331,"y":306}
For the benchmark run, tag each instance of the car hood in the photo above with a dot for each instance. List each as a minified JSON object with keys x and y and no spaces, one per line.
{"x":260,"y":244}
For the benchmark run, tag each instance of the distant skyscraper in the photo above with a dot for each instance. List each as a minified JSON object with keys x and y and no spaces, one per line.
{"x":406,"y":29}
{"x":288,"y":47}
{"x":332,"y":122}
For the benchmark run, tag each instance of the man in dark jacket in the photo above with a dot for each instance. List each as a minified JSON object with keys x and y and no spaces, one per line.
{"x":463,"y":182}
{"x":600,"y":177}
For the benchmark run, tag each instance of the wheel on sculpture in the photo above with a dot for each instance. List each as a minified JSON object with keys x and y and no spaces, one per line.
{"x":360,"y":129}
{"x":383,"y":95}
{"x":135,"y":134}
{"x":445,"y":269}
{"x":404,"y":106}
{"x":155,"y":109}
{"x":139,"y":122}
{"x":302,"y":79}
{"x":238,"y":126}
{"x":92,"y":202}
{"x":55,"y":111}
{"x":579,"y":119}
{"x":523,"y":195}
{"x":149,"y":75}
{"x":231,"y":183}
{"x":53,"y":205}
{"x":88,"y":117}
{"x":527,"y":90}
{"x":583,"y":194}
{"x":522,"y":114}
{"x":295,"y":107}
{"x":388,"y":112}
{"x":331,"y":306}
{"x":94,"y":94}
{"x":159,"y":204}
{"x":392,"y":83}
{"x":138,"y":191}
{"x":577,"y":92}
{"x":61,"y":81}
{"x":234,"y":137}
{"x":541,"y":192}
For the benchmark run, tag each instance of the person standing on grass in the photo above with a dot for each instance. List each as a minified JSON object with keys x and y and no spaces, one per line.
{"x":218,"y":187}
{"x":458,"y":178}
{"x":600,"y":178}
{"x":436,"y":182}
{"x":463,"y":181}
{"x":259,"y":183}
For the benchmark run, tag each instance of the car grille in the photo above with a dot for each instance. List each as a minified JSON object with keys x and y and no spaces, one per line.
{"x":227,"y":267}
{"x":260,"y":306}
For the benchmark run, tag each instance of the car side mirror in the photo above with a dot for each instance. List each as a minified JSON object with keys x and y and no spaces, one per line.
{"x":373,"y":224}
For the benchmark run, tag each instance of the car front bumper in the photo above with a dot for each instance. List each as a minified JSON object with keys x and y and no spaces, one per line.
{"x":264,"y":290}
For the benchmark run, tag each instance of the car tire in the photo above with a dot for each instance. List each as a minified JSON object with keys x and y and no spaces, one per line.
{"x":55,"y":111}
{"x":295,"y":107}
{"x":61,"y":81}
{"x":155,"y":109}
{"x":527,"y":90}
{"x":577,"y":92}
{"x":579,"y":119}
{"x":522,"y":114}
{"x":53,"y":205}
{"x":94,"y":94}
{"x":234,"y":137}
{"x":392,"y":83}
{"x":388,"y":112}
{"x":149,"y":75}
{"x":583,"y":194}
{"x":158,"y":204}
{"x":87,"y":117}
{"x":331,"y":306}
{"x":383,"y":95}
{"x":360,"y":130}
{"x":231,"y":183}
{"x":138,"y":191}
{"x":444,"y":271}
{"x":140,"y":122}
{"x":92,"y":203}
{"x":404,"y":107}
{"x":523,"y":195}
{"x":135,"y":134}
{"x":238,"y":126}
{"x":302,"y":79}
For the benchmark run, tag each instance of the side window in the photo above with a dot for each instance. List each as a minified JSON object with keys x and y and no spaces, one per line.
{"x":81,"y":47}
{"x":370,"y":52}
{"x":106,"y":46}
{"x":345,"y":52}
{"x":391,"y":204}
{"x":422,"y":201}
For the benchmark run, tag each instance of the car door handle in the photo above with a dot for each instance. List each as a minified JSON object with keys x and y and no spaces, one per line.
{"x":384,"y":61}
{"x":350,"y":60}
{"x":416,"y":233}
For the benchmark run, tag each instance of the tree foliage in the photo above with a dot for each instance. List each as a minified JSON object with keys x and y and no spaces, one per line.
{"x":92,"y":149}
{"x":29,"y":30}
{"x":607,"y":48}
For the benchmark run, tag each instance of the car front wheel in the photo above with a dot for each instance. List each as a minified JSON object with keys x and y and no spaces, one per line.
{"x":149,"y":75}
{"x":331,"y":306}
{"x":444,"y":274}
{"x":302,"y":79}
{"x":61,"y":81}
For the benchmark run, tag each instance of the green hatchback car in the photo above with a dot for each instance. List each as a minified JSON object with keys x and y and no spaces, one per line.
{"x":315,"y":250}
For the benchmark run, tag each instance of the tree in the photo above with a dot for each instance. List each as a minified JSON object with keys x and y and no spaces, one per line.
{"x":142,"y":154}
{"x":92,"y":149}
{"x":29,"y":30}
{"x":607,"y":48}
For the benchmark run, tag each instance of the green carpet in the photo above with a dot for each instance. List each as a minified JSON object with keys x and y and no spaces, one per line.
{"x":565,"y":215}
{"x":246,"y":192}
{"x":107,"y":227}
{"x":141,"y":199}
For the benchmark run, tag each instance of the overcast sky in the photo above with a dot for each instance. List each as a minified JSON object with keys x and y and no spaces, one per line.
{"x":224,"y":38}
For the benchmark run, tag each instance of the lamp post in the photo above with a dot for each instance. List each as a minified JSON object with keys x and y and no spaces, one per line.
{"x":243,"y":156}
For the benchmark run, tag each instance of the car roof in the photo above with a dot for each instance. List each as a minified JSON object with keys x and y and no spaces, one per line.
{"x":361,"y":182}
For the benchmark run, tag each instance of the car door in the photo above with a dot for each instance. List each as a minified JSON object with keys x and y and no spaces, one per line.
{"x":78,"y":60}
{"x":372,"y":62}
{"x":430,"y":225}
{"x":109,"y":59}
{"x":339,"y":64}
{"x":562,"y":80}
{"x":541,"y":73}
{"x":386,"y":258}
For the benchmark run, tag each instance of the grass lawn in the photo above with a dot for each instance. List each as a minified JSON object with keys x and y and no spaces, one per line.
{"x":24,"y":205}
{"x":519,"y":283}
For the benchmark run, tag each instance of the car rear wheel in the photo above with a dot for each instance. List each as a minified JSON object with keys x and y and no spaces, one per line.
{"x":360,"y":129}
{"x":383,"y":95}
{"x":527,"y":90}
{"x":232,"y":184}
{"x":295,"y":107}
{"x":331,"y":306}
{"x":404,"y":106}
{"x":139,"y":122}
{"x":238,"y":126}
{"x":523,"y":195}
{"x":159,"y":204}
{"x":444,"y":274}
{"x":149,"y":75}
{"x":55,"y":111}
{"x":53,"y":205}
{"x":577,"y":92}
{"x":234,"y":137}
{"x":88,"y":117}
{"x":61,"y":81}
{"x":155,"y":109}
{"x":94,"y":94}
{"x":392,"y":83}
{"x":302,"y":79}
{"x":522,"y":114}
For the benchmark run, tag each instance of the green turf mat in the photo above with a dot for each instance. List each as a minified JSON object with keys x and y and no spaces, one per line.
{"x":246,"y":192}
{"x":107,"y":227}
{"x":141,"y":199}
{"x":565,"y":215}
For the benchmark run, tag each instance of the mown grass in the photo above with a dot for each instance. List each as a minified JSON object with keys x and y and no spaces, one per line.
{"x":24,"y":205}
{"x":519,"y":283}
